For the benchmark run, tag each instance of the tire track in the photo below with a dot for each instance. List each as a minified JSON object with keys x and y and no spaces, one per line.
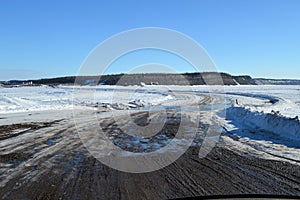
{"x":65,"y":170}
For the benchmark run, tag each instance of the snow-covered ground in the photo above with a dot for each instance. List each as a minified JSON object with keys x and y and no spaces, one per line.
{"x":34,"y":98}
{"x":259,"y":120}
{"x":269,"y":135}
{"x":265,"y":122}
{"x":264,"y":115}
{"x":285,"y":99}
{"x":20,"y":99}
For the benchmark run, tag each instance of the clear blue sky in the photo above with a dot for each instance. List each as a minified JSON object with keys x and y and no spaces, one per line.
{"x":52,"y":38}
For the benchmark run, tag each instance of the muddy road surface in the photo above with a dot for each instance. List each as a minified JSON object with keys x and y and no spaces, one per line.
{"x":43,"y":157}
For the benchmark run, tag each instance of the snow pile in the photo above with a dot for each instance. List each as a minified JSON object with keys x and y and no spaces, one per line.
{"x":139,"y":103}
{"x":271,"y":122}
{"x":135,"y":103}
{"x":150,"y":97}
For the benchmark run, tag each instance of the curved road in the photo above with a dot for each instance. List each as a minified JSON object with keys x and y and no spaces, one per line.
{"x":42,"y":157}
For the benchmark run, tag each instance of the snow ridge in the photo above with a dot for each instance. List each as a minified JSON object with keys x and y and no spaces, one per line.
{"x":272,"y":122}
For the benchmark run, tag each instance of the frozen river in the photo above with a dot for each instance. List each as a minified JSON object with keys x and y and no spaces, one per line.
{"x":283,"y":98}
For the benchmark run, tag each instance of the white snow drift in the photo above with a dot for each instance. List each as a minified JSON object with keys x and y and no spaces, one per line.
{"x":271,"y":122}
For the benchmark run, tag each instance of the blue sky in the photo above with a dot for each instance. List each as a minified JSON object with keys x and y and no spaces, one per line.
{"x":52,"y":38}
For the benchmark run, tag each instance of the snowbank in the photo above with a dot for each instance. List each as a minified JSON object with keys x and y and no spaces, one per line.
{"x":271,"y":122}
{"x":267,"y":98}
